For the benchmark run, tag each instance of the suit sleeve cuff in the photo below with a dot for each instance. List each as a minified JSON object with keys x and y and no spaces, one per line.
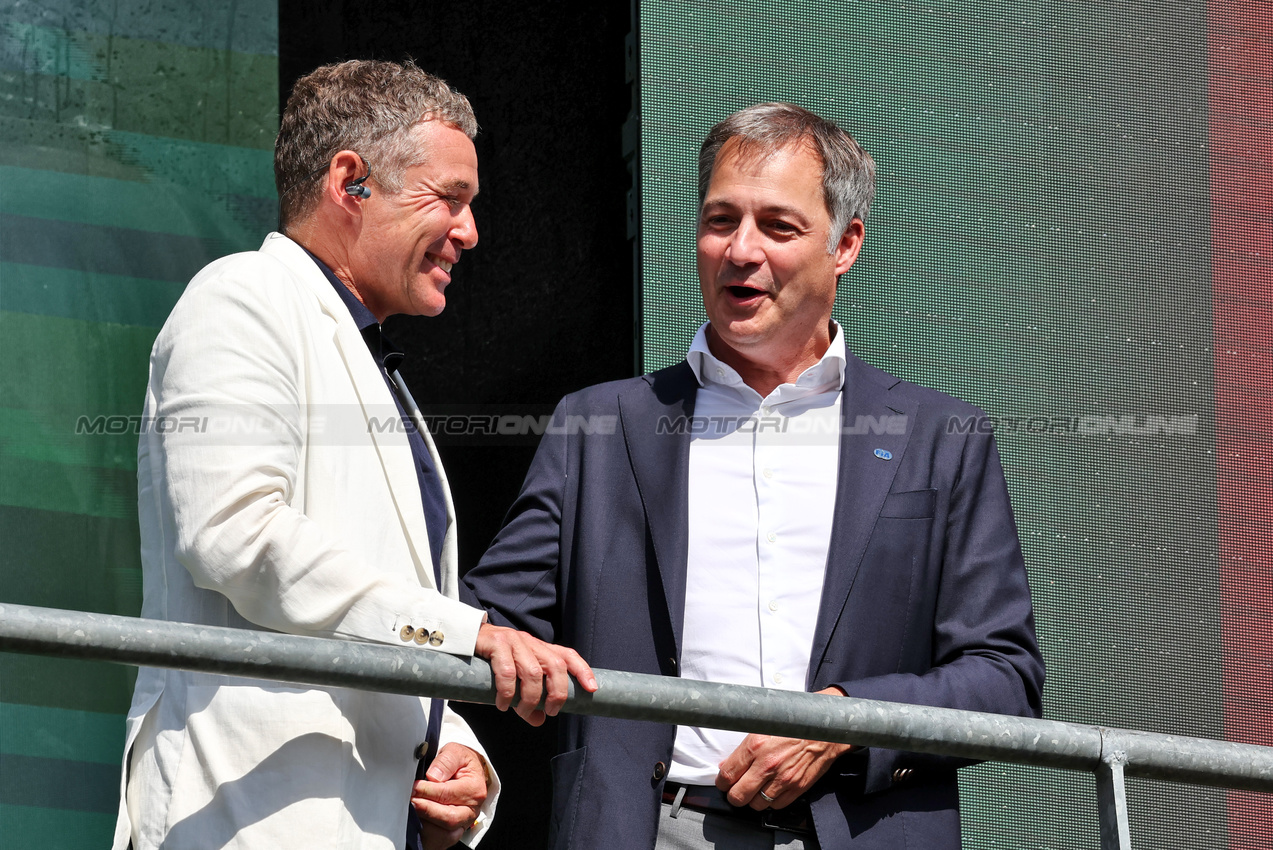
{"x":442,"y":625}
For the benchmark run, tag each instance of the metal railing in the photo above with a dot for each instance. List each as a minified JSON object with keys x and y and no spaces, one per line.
{"x":1110,"y":754}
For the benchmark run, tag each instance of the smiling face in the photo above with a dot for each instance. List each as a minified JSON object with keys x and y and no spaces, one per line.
{"x":407,"y":242}
{"x":767,"y":280}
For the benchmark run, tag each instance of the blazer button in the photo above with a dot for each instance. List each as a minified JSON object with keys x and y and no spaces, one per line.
{"x":902,"y":774}
{"x":406,"y":634}
{"x":422,"y":635}
{"x":436,"y":639}
{"x":660,"y":771}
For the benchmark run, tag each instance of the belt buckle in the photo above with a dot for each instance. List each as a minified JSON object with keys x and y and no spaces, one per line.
{"x":784,"y":820}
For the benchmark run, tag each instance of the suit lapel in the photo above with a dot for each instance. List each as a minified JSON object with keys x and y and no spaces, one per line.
{"x":375,"y":400}
{"x":864,"y":482}
{"x":655,"y":421}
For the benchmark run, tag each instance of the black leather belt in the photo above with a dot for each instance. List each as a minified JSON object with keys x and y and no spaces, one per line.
{"x":708,"y":798}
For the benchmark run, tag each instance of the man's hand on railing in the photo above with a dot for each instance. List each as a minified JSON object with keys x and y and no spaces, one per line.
{"x":450,"y":796}
{"x":766,"y":772}
{"x":543,"y":669}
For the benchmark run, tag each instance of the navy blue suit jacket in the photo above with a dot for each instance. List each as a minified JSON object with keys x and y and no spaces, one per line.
{"x":925,"y":599}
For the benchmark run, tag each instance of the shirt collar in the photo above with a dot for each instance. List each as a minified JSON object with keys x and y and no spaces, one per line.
{"x":825,"y":375}
{"x":381,"y":347}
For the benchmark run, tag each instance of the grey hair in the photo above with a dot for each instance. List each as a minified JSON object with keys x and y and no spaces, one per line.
{"x":848,"y":171}
{"x":366,"y":106}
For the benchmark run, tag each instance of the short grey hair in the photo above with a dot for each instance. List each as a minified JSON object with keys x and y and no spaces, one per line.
{"x":848,"y":172}
{"x":366,"y":106}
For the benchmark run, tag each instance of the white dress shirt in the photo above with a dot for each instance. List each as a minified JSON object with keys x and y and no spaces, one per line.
{"x":762,"y":483}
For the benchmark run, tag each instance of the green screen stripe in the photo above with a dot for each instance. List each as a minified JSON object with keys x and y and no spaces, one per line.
{"x":30,"y":49}
{"x":78,"y":55}
{"x":66,"y":683}
{"x":70,"y":439}
{"x":55,"y":829}
{"x":245,"y":27}
{"x":72,"y":368}
{"x":187,"y":210}
{"x":74,"y":489}
{"x":85,"y":296}
{"x":103,"y":249}
{"x":59,"y":559}
{"x":199,"y":104}
{"x":210,"y":171}
{"x":37,"y":731}
{"x":58,"y":784}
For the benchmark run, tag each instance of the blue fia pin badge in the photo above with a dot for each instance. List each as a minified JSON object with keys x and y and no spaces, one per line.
{"x":883,"y":454}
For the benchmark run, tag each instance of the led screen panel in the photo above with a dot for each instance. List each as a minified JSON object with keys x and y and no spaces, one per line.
{"x":137,"y":146}
{"x":1072,"y":232}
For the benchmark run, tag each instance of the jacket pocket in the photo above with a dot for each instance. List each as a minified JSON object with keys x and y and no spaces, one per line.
{"x":567,"y":778}
{"x":913,"y":504}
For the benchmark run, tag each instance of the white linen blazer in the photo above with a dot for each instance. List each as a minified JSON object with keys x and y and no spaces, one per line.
{"x":277,"y":490}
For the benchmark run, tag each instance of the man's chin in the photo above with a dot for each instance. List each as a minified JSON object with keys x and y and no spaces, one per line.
{"x":431,"y":301}
{"x":739,"y":330}
{"x":738,"y":335}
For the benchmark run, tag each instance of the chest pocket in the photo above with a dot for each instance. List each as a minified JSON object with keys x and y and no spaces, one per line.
{"x":913,"y":504}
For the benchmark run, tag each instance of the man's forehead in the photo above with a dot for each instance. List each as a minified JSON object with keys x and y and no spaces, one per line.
{"x":749,"y":174}
{"x":446,"y":161}
{"x":752,"y":155}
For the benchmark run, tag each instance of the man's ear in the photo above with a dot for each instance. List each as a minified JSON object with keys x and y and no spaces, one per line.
{"x":846,"y":252}
{"x":345,"y":167}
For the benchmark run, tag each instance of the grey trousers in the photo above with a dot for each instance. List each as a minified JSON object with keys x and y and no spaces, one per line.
{"x":693,"y":830}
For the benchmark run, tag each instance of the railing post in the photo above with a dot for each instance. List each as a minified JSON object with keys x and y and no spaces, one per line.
{"x":1111,"y":795}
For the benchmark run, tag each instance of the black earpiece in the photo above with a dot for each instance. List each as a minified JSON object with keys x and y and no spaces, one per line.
{"x":357,"y":189}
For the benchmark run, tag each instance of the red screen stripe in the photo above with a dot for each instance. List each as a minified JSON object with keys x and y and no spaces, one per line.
{"x":1240,"y":49}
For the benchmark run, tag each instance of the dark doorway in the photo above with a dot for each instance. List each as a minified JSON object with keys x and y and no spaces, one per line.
{"x":544,"y":305}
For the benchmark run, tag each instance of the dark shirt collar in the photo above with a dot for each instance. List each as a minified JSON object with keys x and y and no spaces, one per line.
{"x":381,"y":347}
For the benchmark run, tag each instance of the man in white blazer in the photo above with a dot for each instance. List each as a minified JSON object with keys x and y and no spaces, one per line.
{"x":284,"y":496}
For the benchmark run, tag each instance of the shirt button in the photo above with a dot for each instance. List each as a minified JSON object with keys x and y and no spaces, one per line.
{"x":768,"y":473}
{"x":422,"y":636}
{"x":777,"y":678}
{"x":773,"y":604}
{"x":406,"y":634}
{"x":771,"y":537}
{"x":765,"y":409}
{"x":436,"y":638}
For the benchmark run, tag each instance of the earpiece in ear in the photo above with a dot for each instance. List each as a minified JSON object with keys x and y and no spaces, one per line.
{"x":356,"y":189}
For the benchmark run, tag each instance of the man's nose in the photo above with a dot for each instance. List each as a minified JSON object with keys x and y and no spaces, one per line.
{"x":744,"y":246}
{"x":464,"y":229}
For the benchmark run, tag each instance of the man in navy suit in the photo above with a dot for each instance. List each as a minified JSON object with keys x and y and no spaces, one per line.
{"x":772,"y":511}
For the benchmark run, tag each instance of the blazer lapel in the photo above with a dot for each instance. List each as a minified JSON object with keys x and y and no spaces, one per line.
{"x":864,"y":482}
{"x":655,"y":422}
{"x":375,"y":400}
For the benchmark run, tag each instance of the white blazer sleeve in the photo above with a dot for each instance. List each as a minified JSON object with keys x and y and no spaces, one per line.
{"x":239,"y":349}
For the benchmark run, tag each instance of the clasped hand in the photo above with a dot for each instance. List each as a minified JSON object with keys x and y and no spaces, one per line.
{"x":767,"y":772}
{"x":450,"y":796}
